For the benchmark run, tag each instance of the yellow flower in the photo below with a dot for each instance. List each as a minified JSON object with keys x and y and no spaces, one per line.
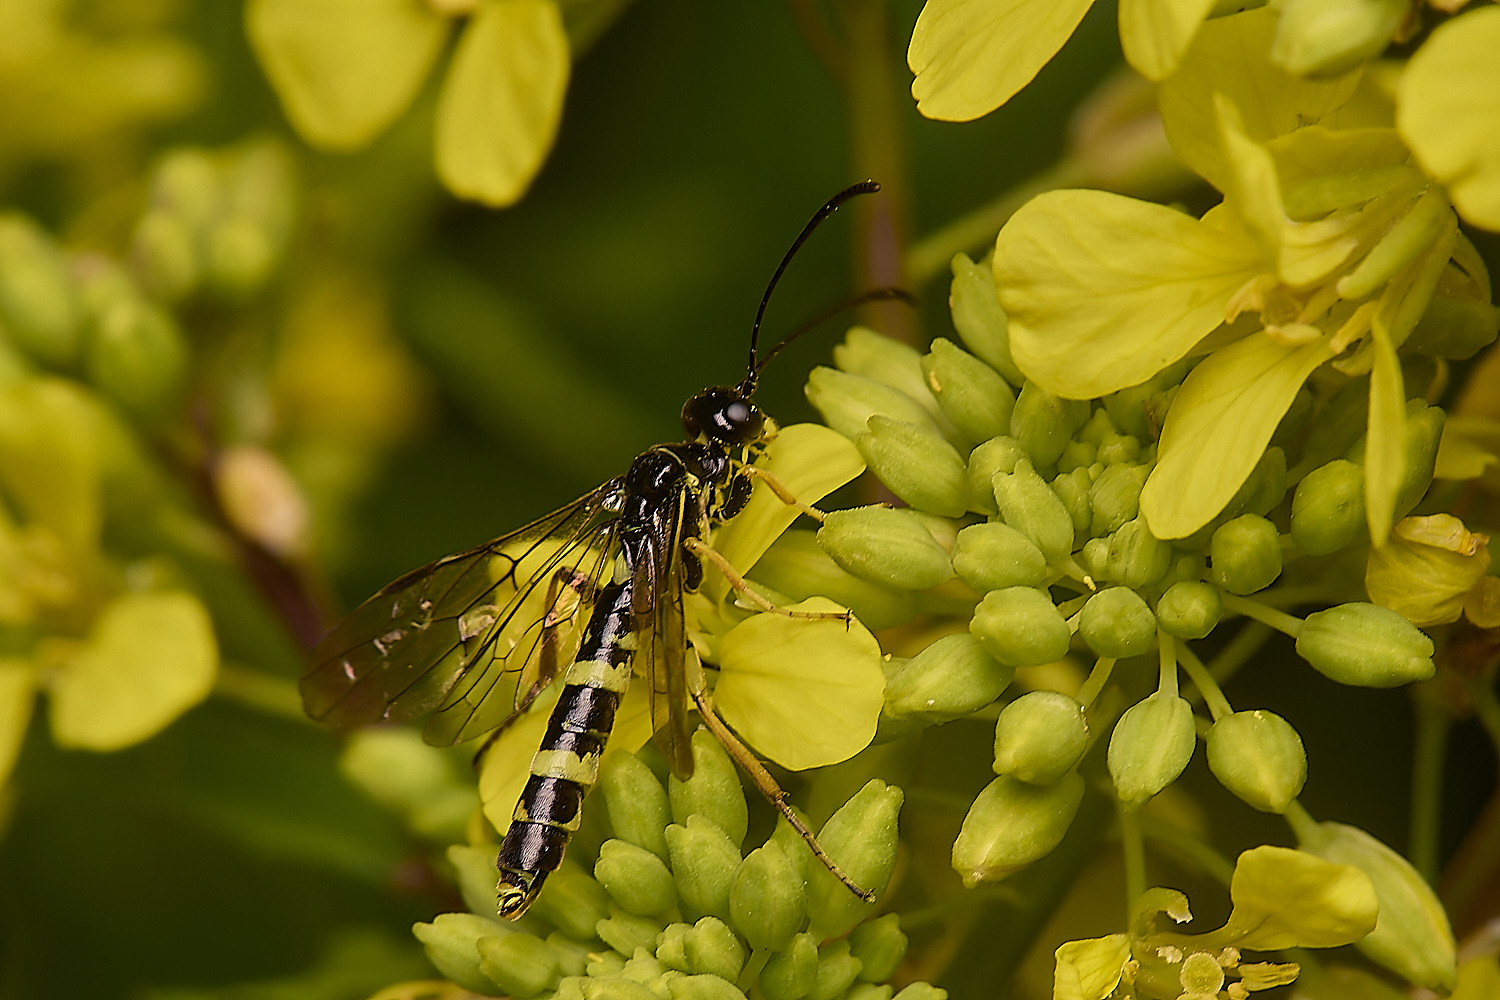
{"x":346,"y":69}
{"x":1328,"y":244}
{"x":1428,"y":569}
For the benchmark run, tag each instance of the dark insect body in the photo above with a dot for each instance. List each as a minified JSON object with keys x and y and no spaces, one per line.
{"x":580,"y":594}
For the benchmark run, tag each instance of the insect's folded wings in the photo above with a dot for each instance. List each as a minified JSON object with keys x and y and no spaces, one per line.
{"x":476,"y":635}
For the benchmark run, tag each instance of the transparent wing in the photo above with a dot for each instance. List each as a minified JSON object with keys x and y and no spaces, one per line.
{"x":662,"y":625}
{"x":475,"y":636}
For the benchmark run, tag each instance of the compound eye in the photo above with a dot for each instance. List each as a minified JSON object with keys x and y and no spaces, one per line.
{"x":737,"y":413}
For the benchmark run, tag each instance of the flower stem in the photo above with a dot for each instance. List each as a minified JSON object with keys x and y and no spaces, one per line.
{"x":1433,"y":725}
{"x":1279,"y":620}
{"x":1098,"y":677}
{"x":1238,"y":651}
{"x":1167,"y":647}
{"x":1134,"y":849}
{"x":1213,"y":695}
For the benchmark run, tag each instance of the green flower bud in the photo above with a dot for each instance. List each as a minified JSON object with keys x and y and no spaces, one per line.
{"x":1263,"y":489}
{"x":1115,"y":497}
{"x":1427,"y":568}
{"x":574,"y":903}
{"x":186,"y":183}
{"x":1151,"y":744}
{"x":713,"y":791}
{"x":572,"y":956}
{"x":39,"y":310}
{"x":847,"y":402}
{"x":1136,"y":557}
{"x":861,"y":839}
{"x":1116,"y":449}
{"x":644,"y":967}
{"x":520,"y":964}
{"x":1094,"y":558}
{"x":1328,"y":508}
{"x":868,"y":991}
{"x":636,"y":802}
{"x":790,"y":973}
{"x":1077,"y":455}
{"x":241,"y":254}
{"x":1189,"y":609}
{"x":884,"y":359}
{"x":879,"y":945}
{"x":915,"y":464}
{"x":451,"y":942}
{"x":1324,"y":38}
{"x":1021,"y":627}
{"x":1074,"y":489}
{"x":1098,"y":427}
{"x":978,"y":318}
{"x":1412,"y":936}
{"x":671,"y":946}
{"x":973,"y":396}
{"x":1259,"y":757}
{"x":165,"y":256}
{"x":994,"y":556}
{"x":636,"y":878}
{"x":712,"y":949}
{"x":1040,"y":737}
{"x":1116,"y":622}
{"x":922,"y":991}
{"x":628,"y":933}
{"x":1044,"y":423}
{"x":837,"y":970}
{"x":1011,"y":824}
{"x":768,"y":901}
{"x":1128,"y":407}
{"x":704,"y":987}
{"x":1424,"y":430}
{"x":475,"y":867}
{"x":136,"y":355}
{"x":1454,"y":328}
{"x":795,"y":565}
{"x":1030,"y":506}
{"x":1365,"y":645}
{"x":885,"y":546}
{"x":704,"y":860}
{"x":998,"y":454}
{"x":603,"y":972}
{"x":1246,"y":554}
{"x":949,"y":679}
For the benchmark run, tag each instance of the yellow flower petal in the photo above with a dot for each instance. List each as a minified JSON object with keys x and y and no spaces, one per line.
{"x":1385,"y":447}
{"x":344,"y":69}
{"x":1091,"y":969}
{"x":1468,"y":447}
{"x":1219,"y":424}
{"x":1155,"y":33}
{"x":149,"y":658}
{"x":502,"y":100}
{"x":971,"y":56}
{"x":1448,"y":110}
{"x":1229,"y":56}
{"x":1104,"y":291}
{"x":803,"y":693}
{"x":1292,"y":899}
{"x":1427,"y":569}
{"x":50,"y":456}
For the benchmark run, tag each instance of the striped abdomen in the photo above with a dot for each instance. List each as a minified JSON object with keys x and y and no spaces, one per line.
{"x":567,"y":763}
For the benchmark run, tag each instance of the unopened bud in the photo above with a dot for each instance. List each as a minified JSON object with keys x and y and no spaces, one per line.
{"x":1454,"y":328}
{"x":704,"y":861}
{"x":1119,"y":448}
{"x":136,"y":355}
{"x":1044,"y":423}
{"x":949,"y":679}
{"x":1189,"y":609}
{"x":922,"y":991}
{"x":790,"y":973}
{"x":998,"y":454}
{"x":712,"y":949}
{"x":1074,"y":489}
{"x":165,"y":256}
{"x":475,"y":868}
{"x":1328,"y":508}
{"x":713,"y":791}
{"x":704,"y":987}
{"x":1427,"y":568}
{"x":1030,"y":506}
{"x":1128,"y":407}
{"x":884,"y":359}
{"x":627,"y":933}
{"x":917,"y":465}
{"x":520,"y":964}
{"x":636,"y":878}
{"x":1011,"y":824}
{"x":978,"y":318}
{"x":1365,"y":645}
{"x":39,"y":310}
{"x":861,"y":839}
{"x":1412,"y":936}
{"x":1136,"y":557}
{"x":837,"y":970}
{"x":1151,"y":744}
{"x":847,"y":402}
{"x":795,"y":565}
{"x":451,"y":942}
{"x":1246,"y":554}
{"x":1040,"y":737}
{"x":767,"y":900}
{"x":879,"y":945}
{"x":636,"y":802}
{"x":574,"y":902}
{"x":1116,"y":622}
{"x":1115,"y":497}
{"x":671,"y":946}
{"x":994,"y":556}
{"x":1259,"y":757}
{"x":1021,"y":627}
{"x":885,"y":546}
{"x":971,"y":393}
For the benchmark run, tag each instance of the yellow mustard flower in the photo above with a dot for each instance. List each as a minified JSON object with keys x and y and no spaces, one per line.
{"x":1329,"y":244}
{"x":346,"y":69}
{"x":1428,"y":569}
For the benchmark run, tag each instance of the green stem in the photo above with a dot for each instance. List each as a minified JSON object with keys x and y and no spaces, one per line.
{"x":1098,"y":677}
{"x":1213,"y":695}
{"x":1279,"y":620}
{"x":1167,"y":648}
{"x":750,"y":974}
{"x":1486,"y":707}
{"x":1433,"y":725}
{"x":1134,"y":849}
{"x":1238,"y":652}
{"x":1199,"y":851}
{"x":1304,"y":827}
{"x":929,"y":256}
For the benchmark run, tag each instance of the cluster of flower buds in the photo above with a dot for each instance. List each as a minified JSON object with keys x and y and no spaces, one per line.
{"x":675,"y":910}
{"x":1022,"y":514}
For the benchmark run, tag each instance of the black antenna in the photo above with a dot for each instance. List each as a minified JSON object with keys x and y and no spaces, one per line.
{"x":863,"y":187}
{"x":873,"y":295}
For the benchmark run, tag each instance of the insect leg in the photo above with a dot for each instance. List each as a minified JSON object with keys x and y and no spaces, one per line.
{"x":698,"y":548}
{"x":771,"y":790}
{"x":782,"y":492}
